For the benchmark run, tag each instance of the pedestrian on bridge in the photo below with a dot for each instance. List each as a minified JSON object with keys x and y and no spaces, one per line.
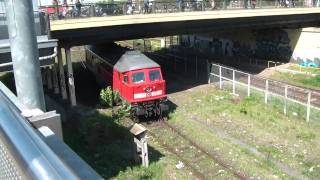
{"x":78,"y":7}
{"x":146,"y":6}
{"x":253,"y":3}
{"x":55,"y":4}
{"x":213,"y":5}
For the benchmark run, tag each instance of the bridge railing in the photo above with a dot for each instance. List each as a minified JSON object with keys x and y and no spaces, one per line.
{"x":164,"y":6}
{"x":25,"y":153}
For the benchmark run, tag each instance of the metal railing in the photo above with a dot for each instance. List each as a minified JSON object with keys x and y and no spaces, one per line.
{"x":294,"y":101}
{"x":64,"y":11}
{"x":24,"y":154}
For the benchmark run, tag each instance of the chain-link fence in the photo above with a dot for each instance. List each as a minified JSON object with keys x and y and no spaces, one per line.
{"x":293,"y":101}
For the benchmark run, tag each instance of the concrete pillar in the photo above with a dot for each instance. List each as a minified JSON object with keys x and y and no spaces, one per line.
{"x":62,"y":76}
{"x":49,"y":77}
{"x":55,"y":78}
{"x":44,"y":76}
{"x":71,"y":86}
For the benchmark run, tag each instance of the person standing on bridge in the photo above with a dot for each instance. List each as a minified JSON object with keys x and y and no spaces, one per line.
{"x":146,"y":6}
{"x":213,"y":5}
{"x":253,"y":3}
{"x":55,"y":4}
{"x":78,"y":7}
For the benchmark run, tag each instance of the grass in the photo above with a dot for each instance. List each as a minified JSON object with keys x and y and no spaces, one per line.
{"x":298,"y":79}
{"x":105,"y":143}
{"x":240,"y":159}
{"x":305,"y":69}
{"x":262,"y":127}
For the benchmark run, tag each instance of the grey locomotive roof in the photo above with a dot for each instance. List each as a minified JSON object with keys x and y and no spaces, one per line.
{"x":133,"y":60}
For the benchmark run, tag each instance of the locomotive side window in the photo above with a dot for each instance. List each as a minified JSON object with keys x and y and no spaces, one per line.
{"x":154,"y":75}
{"x":125,"y":79}
{"x":138,"y":77}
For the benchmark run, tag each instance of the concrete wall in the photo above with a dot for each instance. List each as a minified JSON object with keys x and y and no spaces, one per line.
{"x":271,"y":44}
{"x":308,"y":46}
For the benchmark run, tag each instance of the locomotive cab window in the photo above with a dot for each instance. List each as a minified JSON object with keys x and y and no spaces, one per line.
{"x":138,"y":77}
{"x":125,"y":78}
{"x":154,"y":75}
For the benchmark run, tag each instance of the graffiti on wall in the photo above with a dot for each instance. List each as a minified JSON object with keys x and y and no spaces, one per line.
{"x":269,"y":44}
{"x":219,"y":47}
{"x":273,"y":44}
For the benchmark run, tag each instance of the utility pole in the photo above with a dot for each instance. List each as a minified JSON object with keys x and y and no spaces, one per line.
{"x":24,"y":53}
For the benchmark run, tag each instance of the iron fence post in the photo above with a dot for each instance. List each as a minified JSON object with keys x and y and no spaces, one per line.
{"x":233,"y":83}
{"x":308,"y":106}
{"x":285,"y":99}
{"x":249,"y":84}
{"x":220,"y":77}
{"x":266,"y":91}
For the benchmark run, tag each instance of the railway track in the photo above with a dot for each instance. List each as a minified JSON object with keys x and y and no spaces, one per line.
{"x":199,"y":152}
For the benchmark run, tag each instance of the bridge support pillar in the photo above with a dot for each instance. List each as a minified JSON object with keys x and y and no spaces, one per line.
{"x":44,"y":77}
{"x":49,"y":77}
{"x":55,"y":78}
{"x":71,"y":86}
{"x":62,"y":76}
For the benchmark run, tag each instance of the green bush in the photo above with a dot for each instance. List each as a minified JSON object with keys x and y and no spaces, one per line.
{"x":106,"y":97}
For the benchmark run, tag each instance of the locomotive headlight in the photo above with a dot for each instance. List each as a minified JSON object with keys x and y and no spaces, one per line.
{"x":148,"y":89}
{"x":154,"y":87}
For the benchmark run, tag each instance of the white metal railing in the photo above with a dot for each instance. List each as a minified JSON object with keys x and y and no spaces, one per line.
{"x":267,"y":87}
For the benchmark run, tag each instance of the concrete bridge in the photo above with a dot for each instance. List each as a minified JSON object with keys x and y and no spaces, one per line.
{"x":73,"y":32}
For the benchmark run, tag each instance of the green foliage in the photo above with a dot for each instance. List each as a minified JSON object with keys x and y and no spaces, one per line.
{"x":116,"y":97}
{"x":106,"y":97}
{"x":298,"y":79}
{"x":246,"y":103}
{"x":123,"y":110}
{"x":306,"y":135}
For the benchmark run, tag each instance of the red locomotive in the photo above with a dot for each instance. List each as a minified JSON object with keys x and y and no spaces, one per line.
{"x":137,"y":78}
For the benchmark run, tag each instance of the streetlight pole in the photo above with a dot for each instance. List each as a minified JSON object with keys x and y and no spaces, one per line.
{"x":24,"y":53}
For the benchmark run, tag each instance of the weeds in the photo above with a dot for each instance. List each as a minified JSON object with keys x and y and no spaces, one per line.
{"x":298,"y":79}
{"x":108,"y":97}
{"x":307,"y":136}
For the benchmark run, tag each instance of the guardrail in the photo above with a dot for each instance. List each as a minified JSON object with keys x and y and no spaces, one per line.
{"x":299,"y":101}
{"x":25,"y":153}
{"x":142,"y":7}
